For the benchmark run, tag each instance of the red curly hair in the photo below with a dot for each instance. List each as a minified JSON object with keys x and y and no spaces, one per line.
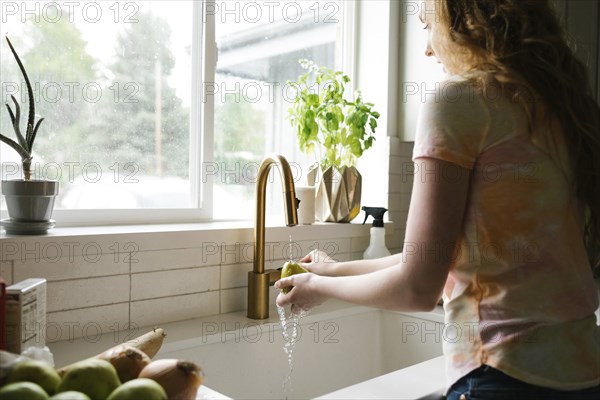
{"x":525,"y":50}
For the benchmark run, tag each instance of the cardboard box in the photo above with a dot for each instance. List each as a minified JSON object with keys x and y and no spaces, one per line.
{"x":26,"y":315}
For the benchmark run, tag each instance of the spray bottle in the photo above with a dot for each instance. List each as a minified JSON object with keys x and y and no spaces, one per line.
{"x":376,"y":247}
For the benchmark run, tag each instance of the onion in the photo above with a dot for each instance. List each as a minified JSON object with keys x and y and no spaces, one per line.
{"x":128,"y":361}
{"x":180,"y":379}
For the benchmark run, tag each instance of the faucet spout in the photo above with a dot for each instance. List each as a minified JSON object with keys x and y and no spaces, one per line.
{"x":259,"y":279}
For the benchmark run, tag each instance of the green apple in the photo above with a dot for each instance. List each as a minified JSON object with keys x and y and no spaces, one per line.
{"x":140,"y":388}
{"x":70,"y":395}
{"x":35,"y":371}
{"x":95,"y":377}
{"x":290,"y":268}
{"x":23,"y":390}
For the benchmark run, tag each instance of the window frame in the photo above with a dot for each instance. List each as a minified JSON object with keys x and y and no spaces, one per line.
{"x":200,"y":152}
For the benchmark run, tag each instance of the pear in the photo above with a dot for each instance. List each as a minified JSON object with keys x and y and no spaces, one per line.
{"x":23,"y":390}
{"x":291,"y":268}
{"x":35,"y":371}
{"x":140,"y":388}
{"x":70,"y":395}
{"x":95,"y":377}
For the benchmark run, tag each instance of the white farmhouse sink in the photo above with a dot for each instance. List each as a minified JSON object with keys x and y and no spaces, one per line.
{"x":339,"y":346}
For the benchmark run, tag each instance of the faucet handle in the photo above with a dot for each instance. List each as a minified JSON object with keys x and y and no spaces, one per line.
{"x":274,"y":275}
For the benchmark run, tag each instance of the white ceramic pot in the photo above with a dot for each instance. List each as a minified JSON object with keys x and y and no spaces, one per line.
{"x":30,"y":200}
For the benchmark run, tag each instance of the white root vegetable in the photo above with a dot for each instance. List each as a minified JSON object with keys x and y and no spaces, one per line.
{"x":180,"y":379}
{"x":149,"y":343}
{"x":128,"y":361}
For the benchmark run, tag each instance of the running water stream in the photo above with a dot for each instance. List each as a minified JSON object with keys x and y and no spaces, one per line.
{"x":289,"y":331}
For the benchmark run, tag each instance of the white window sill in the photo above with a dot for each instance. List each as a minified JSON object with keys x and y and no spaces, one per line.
{"x":127,"y":238}
{"x":354,"y":228}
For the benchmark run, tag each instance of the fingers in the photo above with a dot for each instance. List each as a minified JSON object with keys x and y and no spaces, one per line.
{"x":282,"y":300}
{"x":308,"y":261}
{"x":284,"y":282}
{"x":307,"y":258}
{"x":306,"y":265}
{"x":296,"y":309}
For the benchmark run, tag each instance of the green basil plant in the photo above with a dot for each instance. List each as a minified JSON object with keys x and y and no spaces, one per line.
{"x":334,"y":128}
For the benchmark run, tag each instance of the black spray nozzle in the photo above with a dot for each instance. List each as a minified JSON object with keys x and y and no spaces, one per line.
{"x":376,"y":213}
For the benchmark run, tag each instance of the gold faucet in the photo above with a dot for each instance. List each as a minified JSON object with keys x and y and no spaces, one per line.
{"x":259,"y":280}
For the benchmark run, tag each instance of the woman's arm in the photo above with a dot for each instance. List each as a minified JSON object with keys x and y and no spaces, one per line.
{"x":416,"y":280}
{"x":322,"y":264}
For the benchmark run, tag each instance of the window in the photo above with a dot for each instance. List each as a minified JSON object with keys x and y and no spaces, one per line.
{"x":126,"y":90}
{"x":259,"y":46}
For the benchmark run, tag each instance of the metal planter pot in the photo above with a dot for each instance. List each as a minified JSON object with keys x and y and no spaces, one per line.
{"x":30,"y":205}
{"x":337,"y":197}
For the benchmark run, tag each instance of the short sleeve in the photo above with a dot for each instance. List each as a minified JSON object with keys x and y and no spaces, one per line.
{"x":453,"y":124}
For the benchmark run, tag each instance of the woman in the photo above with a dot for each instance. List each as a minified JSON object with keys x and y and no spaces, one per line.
{"x":505,"y":210}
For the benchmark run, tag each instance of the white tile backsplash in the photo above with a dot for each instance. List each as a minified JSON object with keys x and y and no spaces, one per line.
{"x":401,"y":201}
{"x":146,"y":261}
{"x":81,"y":293}
{"x":402,"y":167}
{"x":360,"y":244}
{"x":149,"y":285}
{"x":401,"y":174}
{"x":396,"y":185}
{"x":53,"y":247}
{"x":352,"y":256}
{"x":71,"y":267}
{"x":273,"y":264}
{"x":87,"y":322}
{"x":237,"y":252}
{"x":234,"y":299}
{"x":396,"y":240}
{"x":280,"y":252}
{"x":174,"y":308}
{"x":6,"y":271}
{"x":134,"y":284}
{"x":235,"y":275}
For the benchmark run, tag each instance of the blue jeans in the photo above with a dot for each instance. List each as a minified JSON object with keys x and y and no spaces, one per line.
{"x":487,"y":383}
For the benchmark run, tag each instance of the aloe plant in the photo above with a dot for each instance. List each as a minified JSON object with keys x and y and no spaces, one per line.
{"x":24,"y":144}
{"x":327,"y":120}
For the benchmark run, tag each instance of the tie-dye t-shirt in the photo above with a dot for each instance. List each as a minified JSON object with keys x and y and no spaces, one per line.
{"x":520,"y":295}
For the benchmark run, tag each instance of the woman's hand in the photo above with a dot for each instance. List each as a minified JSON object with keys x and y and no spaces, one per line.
{"x":304,"y":293}
{"x":318,"y":262}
